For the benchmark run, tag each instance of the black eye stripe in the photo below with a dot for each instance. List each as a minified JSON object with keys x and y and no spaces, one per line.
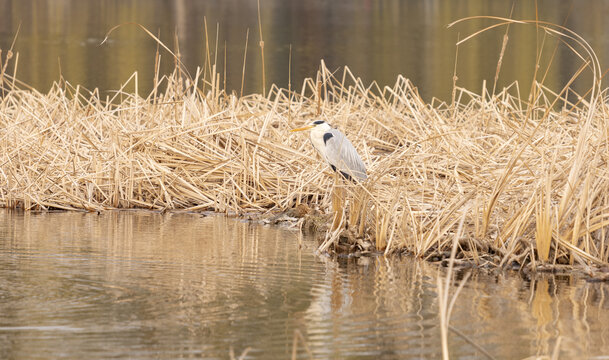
{"x":317,"y":122}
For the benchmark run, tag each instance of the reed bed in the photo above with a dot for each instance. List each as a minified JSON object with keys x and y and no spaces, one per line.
{"x":527,"y":178}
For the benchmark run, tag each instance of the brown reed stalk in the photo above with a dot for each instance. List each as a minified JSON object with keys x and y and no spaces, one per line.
{"x":261,"y":43}
{"x":247,"y":35}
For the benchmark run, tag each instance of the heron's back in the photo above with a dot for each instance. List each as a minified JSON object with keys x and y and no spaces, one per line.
{"x":341,"y":154}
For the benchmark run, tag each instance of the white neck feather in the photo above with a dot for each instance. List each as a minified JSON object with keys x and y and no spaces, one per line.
{"x":317,"y":138}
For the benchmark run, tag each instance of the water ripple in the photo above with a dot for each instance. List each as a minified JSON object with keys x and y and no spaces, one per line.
{"x":144,"y":285}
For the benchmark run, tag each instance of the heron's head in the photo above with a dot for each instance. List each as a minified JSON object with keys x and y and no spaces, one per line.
{"x":317,"y":124}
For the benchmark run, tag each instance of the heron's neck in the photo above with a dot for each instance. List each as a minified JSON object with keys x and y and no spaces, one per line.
{"x":317,"y":139}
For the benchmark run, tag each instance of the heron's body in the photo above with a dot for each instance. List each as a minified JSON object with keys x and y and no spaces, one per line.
{"x":337,"y":150}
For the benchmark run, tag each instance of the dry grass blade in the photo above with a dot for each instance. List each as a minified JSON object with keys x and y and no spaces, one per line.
{"x":543,"y":226}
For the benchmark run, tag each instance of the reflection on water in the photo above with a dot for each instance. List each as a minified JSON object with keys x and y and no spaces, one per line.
{"x":146,"y":285}
{"x":378,"y":40}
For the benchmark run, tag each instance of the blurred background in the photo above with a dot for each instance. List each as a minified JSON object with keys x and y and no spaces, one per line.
{"x":377,"y":40}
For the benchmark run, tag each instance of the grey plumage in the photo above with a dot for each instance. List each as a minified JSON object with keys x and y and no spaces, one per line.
{"x":341,"y":154}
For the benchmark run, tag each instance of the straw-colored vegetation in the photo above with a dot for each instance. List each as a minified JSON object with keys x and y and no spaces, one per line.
{"x":528,"y":175}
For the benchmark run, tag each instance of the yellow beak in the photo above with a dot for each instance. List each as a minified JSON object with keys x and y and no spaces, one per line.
{"x":303,"y":128}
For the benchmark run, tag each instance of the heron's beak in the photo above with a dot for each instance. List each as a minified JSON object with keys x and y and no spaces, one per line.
{"x":303,"y":128}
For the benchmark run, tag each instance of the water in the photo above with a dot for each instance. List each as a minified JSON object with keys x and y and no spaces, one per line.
{"x":145,"y":285}
{"x":378,"y":40}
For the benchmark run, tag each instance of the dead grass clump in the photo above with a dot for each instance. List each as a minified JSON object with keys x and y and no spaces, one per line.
{"x":529,"y":178}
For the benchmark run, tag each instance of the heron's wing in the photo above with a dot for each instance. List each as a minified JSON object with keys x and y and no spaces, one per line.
{"x":341,"y":154}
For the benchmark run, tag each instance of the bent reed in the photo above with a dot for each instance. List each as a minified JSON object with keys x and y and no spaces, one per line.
{"x":527,"y":179}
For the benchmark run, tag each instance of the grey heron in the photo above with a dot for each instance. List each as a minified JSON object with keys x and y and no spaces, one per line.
{"x":336,"y":149}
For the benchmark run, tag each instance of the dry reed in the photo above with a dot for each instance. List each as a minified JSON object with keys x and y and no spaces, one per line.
{"x":531,"y":174}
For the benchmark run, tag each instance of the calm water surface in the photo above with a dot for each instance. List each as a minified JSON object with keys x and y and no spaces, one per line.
{"x":378,"y":40}
{"x":144,"y":285}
